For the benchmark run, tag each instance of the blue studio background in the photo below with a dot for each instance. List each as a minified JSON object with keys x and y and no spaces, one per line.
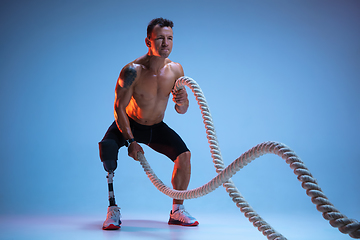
{"x":286,"y":71}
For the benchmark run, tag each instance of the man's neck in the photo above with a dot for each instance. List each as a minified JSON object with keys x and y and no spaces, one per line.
{"x":155,"y":63}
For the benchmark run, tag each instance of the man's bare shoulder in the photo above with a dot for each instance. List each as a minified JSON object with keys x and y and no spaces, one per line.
{"x":176,"y":68}
{"x":133,"y":65}
{"x":140,"y":63}
{"x":128,"y":74}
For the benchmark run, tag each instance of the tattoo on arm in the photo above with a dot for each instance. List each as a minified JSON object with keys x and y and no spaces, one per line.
{"x":129,"y":76}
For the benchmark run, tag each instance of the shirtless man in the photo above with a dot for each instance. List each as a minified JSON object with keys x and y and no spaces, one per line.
{"x":141,"y":97}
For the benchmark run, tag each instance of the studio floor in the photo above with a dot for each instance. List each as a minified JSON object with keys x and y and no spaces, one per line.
{"x":144,"y":226}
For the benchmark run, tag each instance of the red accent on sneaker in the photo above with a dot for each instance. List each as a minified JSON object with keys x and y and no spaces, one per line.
{"x":111,"y":227}
{"x":194,"y":224}
{"x":176,"y":222}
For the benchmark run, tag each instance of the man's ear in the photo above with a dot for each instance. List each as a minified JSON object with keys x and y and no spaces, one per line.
{"x":147,"y":42}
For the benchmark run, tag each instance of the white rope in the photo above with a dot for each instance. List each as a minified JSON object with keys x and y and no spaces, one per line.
{"x":330,"y":213}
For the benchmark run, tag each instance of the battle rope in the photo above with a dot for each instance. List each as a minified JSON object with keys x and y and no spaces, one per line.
{"x":330,"y":213}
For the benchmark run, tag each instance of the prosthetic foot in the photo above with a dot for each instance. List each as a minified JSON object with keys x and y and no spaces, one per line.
{"x":112,"y":221}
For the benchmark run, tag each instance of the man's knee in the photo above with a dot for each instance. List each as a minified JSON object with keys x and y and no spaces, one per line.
{"x":110,"y":165}
{"x":183,"y":160}
{"x":109,"y":149}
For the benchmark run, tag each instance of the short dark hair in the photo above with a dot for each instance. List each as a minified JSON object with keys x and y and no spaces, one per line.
{"x":162,"y":22}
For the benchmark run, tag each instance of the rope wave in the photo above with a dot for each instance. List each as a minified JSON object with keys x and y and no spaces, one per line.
{"x":309,"y":183}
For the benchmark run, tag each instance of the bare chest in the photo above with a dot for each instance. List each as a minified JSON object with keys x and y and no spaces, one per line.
{"x":150,"y":87}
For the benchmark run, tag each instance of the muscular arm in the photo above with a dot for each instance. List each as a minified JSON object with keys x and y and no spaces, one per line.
{"x":123,"y":94}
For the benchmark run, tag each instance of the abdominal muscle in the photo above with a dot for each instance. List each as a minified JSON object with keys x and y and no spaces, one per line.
{"x":149,"y":113}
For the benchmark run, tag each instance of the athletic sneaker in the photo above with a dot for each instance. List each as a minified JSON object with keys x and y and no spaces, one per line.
{"x":182,"y":217}
{"x":112,"y":221}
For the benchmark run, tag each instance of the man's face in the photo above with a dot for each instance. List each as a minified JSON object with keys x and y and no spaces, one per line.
{"x":161,"y":41}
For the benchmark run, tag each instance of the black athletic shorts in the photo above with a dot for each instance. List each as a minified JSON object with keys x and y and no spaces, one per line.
{"x":160,"y":137}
